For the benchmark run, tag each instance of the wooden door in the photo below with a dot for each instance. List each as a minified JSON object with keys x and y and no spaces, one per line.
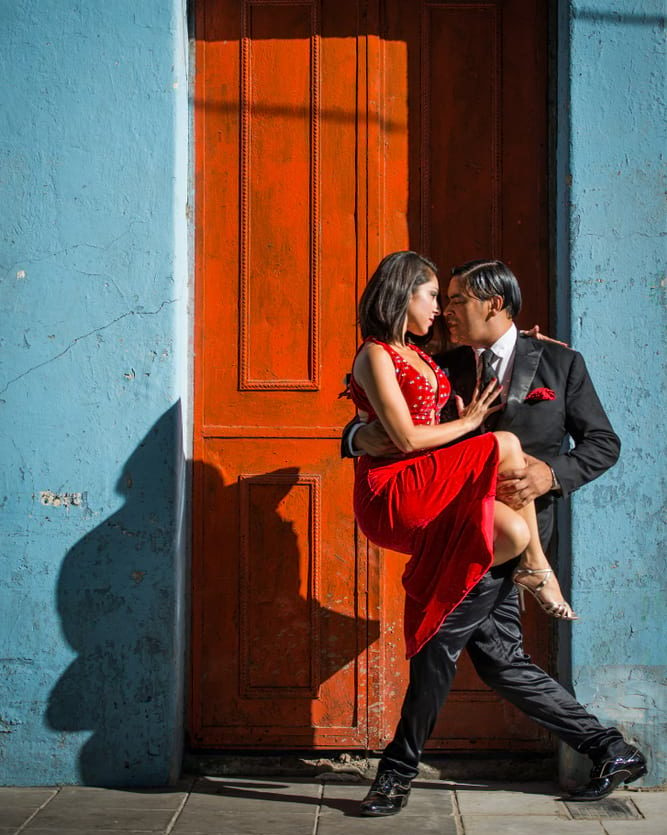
{"x":329,"y":132}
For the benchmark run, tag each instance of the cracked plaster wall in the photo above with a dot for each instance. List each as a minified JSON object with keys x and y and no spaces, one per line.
{"x":93,"y":277}
{"x":617,"y":315}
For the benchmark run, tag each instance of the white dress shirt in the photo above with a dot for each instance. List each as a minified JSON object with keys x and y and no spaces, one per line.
{"x":503,"y":364}
{"x":504,"y":350}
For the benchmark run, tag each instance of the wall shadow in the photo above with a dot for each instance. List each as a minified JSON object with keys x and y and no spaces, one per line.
{"x":121,"y":602}
{"x":266,"y":639}
{"x":118,"y":599}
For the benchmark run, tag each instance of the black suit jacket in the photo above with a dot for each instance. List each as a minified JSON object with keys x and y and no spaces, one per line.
{"x":546,"y":427}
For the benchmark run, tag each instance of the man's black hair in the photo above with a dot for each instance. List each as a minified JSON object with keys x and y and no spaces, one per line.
{"x":484,"y":279}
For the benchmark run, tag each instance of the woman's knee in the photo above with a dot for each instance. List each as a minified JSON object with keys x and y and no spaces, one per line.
{"x":520,"y":533}
{"x":508,"y":444}
{"x":513,"y":529}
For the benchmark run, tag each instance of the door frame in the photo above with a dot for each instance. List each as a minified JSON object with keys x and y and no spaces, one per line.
{"x":371,"y":204}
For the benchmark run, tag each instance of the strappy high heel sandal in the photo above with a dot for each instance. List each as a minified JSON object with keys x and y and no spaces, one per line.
{"x":561,"y":610}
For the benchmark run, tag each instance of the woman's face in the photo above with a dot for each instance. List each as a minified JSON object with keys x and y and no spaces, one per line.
{"x":423,"y":307}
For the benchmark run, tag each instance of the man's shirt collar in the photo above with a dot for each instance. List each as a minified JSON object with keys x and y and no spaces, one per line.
{"x":504,"y":346}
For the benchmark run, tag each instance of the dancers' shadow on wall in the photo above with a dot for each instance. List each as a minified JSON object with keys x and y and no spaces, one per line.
{"x":120,"y":602}
{"x":121,"y":599}
{"x":286,"y":618}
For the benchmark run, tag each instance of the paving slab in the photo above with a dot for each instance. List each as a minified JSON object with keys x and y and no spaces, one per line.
{"x":239,"y":795}
{"x":278,"y":785}
{"x":255,"y":821}
{"x":11,"y":817}
{"x":401,"y":824}
{"x":21,"y":794}
{"x":543,"y":787}
{"x":530,"y":825}
{"x":426,"y":798}
{"x":249,"y":806}
{"x":493,"y":802}
{"x":94,"y":798}
{"x":303,"y":806}
{"x":69,"y":831}
{"x":645,"y":827}
{"x":649,"y":803}
{"x":18,"y":804}
{"x":77,"y":818}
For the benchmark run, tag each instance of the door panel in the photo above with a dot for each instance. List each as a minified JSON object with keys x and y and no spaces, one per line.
{"x":329,"y":132}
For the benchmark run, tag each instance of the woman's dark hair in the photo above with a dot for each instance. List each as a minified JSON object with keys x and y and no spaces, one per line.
{"x":384,"y":303}
{"x":484,"y":279}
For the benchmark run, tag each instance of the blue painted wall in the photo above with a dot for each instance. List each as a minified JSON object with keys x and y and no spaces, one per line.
{"x":93,"y":272}
{"x":616,"y":308}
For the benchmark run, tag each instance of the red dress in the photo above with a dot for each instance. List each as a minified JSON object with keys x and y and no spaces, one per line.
{"x":435,"y":505}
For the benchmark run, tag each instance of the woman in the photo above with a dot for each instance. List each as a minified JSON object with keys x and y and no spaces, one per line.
{"x":435,"y":503}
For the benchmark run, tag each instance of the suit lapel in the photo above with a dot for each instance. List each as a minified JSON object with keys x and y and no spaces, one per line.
{"x":526,"y":360}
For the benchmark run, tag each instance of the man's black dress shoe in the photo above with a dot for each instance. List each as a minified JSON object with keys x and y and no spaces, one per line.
{"x":387,"y":796}
{"x":610,"y":773}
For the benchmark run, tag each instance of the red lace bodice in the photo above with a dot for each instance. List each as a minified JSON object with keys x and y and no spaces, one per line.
{"x":423,"y":402}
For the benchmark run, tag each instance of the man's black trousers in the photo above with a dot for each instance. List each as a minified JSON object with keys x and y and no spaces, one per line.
{"x":487,"y":623}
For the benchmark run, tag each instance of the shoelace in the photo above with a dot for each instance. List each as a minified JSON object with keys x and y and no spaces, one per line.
{"x":387,"y":782}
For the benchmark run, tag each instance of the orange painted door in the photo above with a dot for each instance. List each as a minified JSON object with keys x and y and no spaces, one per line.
{"x":329,"y":133}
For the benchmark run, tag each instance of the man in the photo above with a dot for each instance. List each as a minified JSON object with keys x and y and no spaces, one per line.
{"x":548,"y":396}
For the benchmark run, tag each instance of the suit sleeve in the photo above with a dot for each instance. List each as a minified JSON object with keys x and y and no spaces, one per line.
{"x":345,"y":448}
{"x":596,"y":445}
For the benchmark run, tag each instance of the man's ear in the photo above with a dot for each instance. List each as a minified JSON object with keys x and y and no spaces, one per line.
{"x":496,"y":305}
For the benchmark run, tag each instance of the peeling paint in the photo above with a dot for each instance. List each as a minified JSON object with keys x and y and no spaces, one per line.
{"x":48,"y":497}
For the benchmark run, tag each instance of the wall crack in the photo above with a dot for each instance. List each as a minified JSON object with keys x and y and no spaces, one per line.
{"x":85,"y":336}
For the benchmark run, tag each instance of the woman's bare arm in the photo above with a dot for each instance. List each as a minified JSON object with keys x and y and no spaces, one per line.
{"x":375,"y":372}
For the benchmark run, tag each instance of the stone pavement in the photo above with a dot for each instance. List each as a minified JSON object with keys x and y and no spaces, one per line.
{"x":277,"y":806}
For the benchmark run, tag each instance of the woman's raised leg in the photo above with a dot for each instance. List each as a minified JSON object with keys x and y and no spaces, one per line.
{"x":534,"y":574}
{"x":510,"y":534}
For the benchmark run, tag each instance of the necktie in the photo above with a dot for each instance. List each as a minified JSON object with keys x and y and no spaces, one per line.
{"x":486,"y":375}
{"x":487,"y":372}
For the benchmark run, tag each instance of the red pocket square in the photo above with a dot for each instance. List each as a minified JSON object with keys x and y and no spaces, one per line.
{"x":541,"y":394}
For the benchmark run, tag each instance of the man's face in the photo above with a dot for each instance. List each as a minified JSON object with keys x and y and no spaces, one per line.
{"x":468,"y":319}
